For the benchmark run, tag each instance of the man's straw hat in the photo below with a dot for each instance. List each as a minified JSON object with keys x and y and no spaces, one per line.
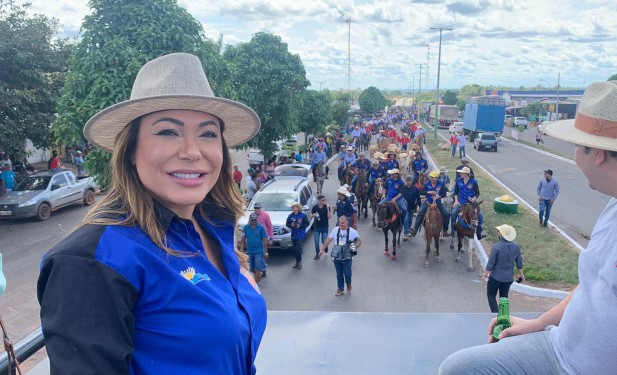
{"x":507,"y":232}
{"x":596,"y":120}
{"x":464,"y":170}
{"x":174,"y":81}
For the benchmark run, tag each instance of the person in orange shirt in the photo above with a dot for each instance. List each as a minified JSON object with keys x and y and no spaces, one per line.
{"x":404,"y":141}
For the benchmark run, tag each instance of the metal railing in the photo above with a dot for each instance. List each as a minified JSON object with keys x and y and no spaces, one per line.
{"x":23,"y":349}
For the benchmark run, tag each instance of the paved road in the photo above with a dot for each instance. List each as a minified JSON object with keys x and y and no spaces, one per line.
{"x":521,"y":168}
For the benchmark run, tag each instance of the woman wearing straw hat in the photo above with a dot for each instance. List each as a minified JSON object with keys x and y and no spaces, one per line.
{"x":498,"y":270}
{"x":151,"y":273}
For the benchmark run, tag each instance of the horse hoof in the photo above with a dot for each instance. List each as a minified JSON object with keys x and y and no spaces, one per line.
{"x":393,"y":257}
{"x":469,"y":269}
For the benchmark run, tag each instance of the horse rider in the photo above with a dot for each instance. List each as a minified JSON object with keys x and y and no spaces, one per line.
{"x":374,"y":172}
{"x":341,"y":161}
{"x":421,"y":133}
{"x":404,"y":141}
{"x":355,"y":133}
{"x":443,"y":177}
{"x":392,"y":163}
{"x":418,"y":165}
{"x":381,"y":135}
{"x":343,"y":206}
{"x":466,"y":190}
{"x":411,"y":193}
{"x":349,"y":159}
{"x":394,"y":188}
{"x":361,"y":165}
{"x":318,"y":156}
{"x":464,"y":163}
{"x":435,"y":191}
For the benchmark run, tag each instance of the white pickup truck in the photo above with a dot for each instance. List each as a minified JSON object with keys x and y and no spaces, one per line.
{"x":41,"y":193}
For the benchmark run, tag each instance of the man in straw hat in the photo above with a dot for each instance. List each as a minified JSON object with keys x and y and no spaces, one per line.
{"x":344,"y":206}
{"x":578,"y":335}
{"x":498,"y":271}
{"x":418,"y":166}
{"x":157,"y":251}
{"x":466,"y":189}
{"x":435,"y":192}
{"x":394,"y":191}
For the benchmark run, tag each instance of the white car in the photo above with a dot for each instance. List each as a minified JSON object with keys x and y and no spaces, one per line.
{"x":456,"y":127}
{"x":519,"y":120}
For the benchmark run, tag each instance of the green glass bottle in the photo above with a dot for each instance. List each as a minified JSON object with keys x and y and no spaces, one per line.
{"x":503,"y":318}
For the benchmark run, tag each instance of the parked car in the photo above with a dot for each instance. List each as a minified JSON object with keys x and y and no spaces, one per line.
{"x":275,"y":197}
{"x":486,"y":141}
{"x":519,"y":120}
{"x":42,"y":193}
{"x":456,"y":127}
{"x":507,"y":119}
{"x":291,"y":141}
{"x":293,"y":171}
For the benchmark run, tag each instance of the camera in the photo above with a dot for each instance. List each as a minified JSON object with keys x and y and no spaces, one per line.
{"x":352,"y":248}
{"x":519,"y":280}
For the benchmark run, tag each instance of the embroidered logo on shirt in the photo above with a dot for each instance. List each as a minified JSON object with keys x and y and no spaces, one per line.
{"x":193,"y":276}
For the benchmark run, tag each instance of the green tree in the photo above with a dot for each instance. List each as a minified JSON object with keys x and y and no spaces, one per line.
{"x":118,"y":38}
{"x":271,"y":80}
{"x":449,"y":97}
{"x":461,"y":104}
{"x":32,"y":72}
{"x":468,"y":91}
{"x":340,"y":112}
{"x":315,"y":112}
{"x":613,"y":77}
{"x":372,"y":100}
{"x":535,"y":109}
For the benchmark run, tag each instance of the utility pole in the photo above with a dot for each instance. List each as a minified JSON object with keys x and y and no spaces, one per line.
{"x":557,"y":103}
{"x":420,"y":89}
{"x":348,"y":20}
{"x":438,"y":73}
{"x":320,"y":83}
{"x":428,"y":61}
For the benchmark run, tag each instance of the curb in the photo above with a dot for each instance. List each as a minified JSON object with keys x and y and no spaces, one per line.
{"x":559,"y":157}
{"x":481,"y":253}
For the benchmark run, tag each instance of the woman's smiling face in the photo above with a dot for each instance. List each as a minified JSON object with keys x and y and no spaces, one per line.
{"x":178,"y":157}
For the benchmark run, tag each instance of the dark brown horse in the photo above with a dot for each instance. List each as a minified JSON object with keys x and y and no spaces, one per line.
{"x":433,"y":224}
{"x":349,"y":174}
{"x":361,"y":194}
{"x":465,"y":226}
{"x":379,"y":193}
{"x":389,"y":220}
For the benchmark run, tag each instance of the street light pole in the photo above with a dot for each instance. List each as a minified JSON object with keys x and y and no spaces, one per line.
{"x":557,"y":103}
{"x":438,"y":73}
{"x":420,"y":89}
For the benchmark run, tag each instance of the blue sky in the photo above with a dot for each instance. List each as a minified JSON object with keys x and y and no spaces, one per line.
{"x":493,"y":42}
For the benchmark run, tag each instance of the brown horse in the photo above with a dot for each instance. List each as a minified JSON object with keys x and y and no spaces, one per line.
{"x":361,"y":194}
{"x":465,"y":226}
{"x":433,"y":224}
{"x":379,"y":193}
{"x":389,"y":220}
{"x":349,"y":174}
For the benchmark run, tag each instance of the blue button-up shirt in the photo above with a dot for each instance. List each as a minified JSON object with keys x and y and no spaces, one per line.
{"x":548,"y":189}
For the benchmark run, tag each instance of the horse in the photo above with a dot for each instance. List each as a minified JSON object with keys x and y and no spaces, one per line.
{"x":361,"y":194}
{"x":320,"y":176}
{"x":465,"y":226}
{"x":349,"y":174}
{"x":433,"y":224}
{"x":419,"y":140}
{"x":379,"y":193}
{"x":365,"y":141}
{"x":389,"y":219}
{"x":422,"y":177}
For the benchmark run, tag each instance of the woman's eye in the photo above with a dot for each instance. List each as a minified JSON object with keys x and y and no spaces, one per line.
{"x":167,"y":132}
{"x":209,"y":134}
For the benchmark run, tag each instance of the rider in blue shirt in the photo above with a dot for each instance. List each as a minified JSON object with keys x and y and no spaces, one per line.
{"x":394,"y":185}
{"x":392,"y":163}
{"x":375,"y":172}
{"x":361,"y":165}
{"x":435,"y":191}
{"x":418,"y":165}
{"x":318,"y":157}
{"x":466,"y":190}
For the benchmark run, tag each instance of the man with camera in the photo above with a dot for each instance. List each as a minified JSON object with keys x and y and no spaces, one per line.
{"x":346,"y":242}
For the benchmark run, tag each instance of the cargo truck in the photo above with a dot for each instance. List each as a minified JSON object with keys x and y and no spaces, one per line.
{"x":447,"y":114}
{"x":484,"y":114}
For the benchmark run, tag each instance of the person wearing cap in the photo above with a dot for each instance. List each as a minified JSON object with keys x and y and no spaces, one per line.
{"x":404,"y":140}
{"x":418,"y":166}
{"x":263,"y":218}
{"x":466,"y":190}
{"x":464,"y":163}
{"x":249,"y":173}
{"x":434,"y":191}
{"x":255,"y":241}
{"x":350,"y":157}
{"x":462,"y":143}
{"x":394,"y":191}
{"x":362,"y":165}
{"x":411,"y":194}
{"x":443,"y":177}
{"x":573,"y":337}
{"x":297,"y":222}
{"x":374,"y":172}
{"x":79,"y":163}
{"x":547,"y":190}
{"x":498,"y":270}
{"x":150,"y":281}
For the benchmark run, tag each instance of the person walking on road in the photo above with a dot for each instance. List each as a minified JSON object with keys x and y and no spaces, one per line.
{"x":453,"y":143}
{"x":573,"y":337}
{"x":498,"y":270}
{"x":539,"y":138}
{"x":346,"y":242}
{"x":547,"y":190}
{"x":343,"y":207}
{"x":256,"y":244}
{"x":462,"y":142}
{"x":297,"y":221}
{"x":321,"y":213}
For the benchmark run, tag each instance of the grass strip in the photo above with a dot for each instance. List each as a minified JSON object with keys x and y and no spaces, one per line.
{"x":549,"y":259}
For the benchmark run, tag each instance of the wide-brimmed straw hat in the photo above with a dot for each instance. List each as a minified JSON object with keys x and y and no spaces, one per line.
{"x":507,"y":232}
{"x":394,"y":171}
{"x":343,"y":190}
{"x":596,"y":120}
{"x":296,"y":204}
{"x":174,"y":81}
{"x":464,"y":170}
{"x":443,"y":169}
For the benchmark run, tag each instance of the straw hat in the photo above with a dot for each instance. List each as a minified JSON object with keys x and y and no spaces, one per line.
{"x":443,"y":169}
{"x":394,"y":171}
{"x":174,"y":81}
{"x":507,"y":232}
{"x":375,"y":162}
{"x":377,"y":155}
{"x":296,"y":204}
{"x":383,"y":157}
{"x":464,"y":170}
{"x":343,"y":190}
{"x":349,"y":148}
{"x":596,"y":120}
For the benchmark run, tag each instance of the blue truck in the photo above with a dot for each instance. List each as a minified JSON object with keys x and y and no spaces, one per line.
{"x":484,"y":114}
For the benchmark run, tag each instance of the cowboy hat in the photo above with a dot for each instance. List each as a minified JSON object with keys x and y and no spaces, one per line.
{"x":174,"y":81}
{"x":394,"y":171}
{"x":375,"y":162}
{"x":507,"y":232}
{"x":596,"y":120}
{"x":343,"y":190}
{"x":443,"y":169}
{"x":464,"y":170}
{"x":296,"y":204}
{"x":349,"y":148}
{"x":383,"y":157}
{"x":377,"y":154}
